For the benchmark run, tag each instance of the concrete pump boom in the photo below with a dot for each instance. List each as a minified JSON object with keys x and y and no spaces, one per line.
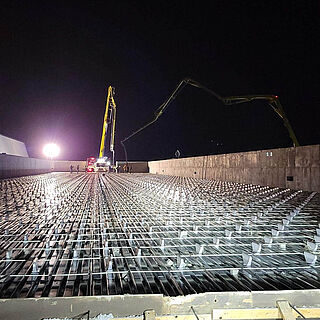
{"x":109,"y":117}
{"x":272,"y":100}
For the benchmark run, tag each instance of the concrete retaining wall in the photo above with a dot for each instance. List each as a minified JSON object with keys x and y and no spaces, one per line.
{"x":136,"y":166}
{"x":64,"y":165}
{"x":296,"y":168}
{"x":14,"y":166}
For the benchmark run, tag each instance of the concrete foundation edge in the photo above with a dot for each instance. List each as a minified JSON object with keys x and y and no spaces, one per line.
{"x":128,"y":305}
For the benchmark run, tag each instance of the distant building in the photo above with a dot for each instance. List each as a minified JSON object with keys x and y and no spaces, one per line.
{"x":12,"y":147}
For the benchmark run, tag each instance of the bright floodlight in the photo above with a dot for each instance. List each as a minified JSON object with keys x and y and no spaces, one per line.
{"x":51,"y":150}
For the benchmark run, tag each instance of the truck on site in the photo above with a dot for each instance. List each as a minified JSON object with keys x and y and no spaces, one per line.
{"x":104,"y":163}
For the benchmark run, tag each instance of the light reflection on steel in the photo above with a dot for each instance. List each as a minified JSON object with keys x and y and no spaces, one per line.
{"x":70,"y":235}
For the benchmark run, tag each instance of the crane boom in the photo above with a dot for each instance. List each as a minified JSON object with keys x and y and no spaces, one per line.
{"x":109,"y":117}
{"x":272,"y":100}
{"x":274,"y":103}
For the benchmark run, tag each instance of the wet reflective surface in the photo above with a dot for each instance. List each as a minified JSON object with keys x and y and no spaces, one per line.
{"x":67,"y":234}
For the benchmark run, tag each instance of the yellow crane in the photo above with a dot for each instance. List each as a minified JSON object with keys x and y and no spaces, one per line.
{"x":109,"y":119}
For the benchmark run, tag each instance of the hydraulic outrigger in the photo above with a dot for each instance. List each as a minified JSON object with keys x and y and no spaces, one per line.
{"x":272,"y":100}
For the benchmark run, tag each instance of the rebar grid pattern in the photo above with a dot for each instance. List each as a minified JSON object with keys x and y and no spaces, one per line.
{"x":92,"y":234}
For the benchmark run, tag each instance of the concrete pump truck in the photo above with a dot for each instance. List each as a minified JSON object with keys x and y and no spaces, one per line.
{"x":104,"y":163}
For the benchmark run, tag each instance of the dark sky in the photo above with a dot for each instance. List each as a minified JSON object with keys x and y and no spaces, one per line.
{"x":59,"y":57}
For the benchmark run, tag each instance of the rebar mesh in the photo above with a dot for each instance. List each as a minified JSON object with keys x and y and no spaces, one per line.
{"x":92,"y":234}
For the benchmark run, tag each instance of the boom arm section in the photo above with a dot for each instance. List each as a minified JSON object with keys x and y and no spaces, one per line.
{"x":273,"y":101}
{"x":109,"y":117}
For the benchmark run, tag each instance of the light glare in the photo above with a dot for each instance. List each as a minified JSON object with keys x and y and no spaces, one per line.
{"x":51,"y":150}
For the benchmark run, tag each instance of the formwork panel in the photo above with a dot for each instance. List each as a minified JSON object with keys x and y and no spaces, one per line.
{"x":281,"y":178}
{"x":307,"y":156}
{"x":291,"y":157}
{"x":315,"y":178}
{"x":282,"y":157}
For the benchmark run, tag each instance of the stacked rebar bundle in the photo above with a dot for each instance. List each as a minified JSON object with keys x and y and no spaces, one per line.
{"x":90,"y":234}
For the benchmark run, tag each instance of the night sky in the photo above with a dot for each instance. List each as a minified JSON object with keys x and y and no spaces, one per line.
{"x":59,"y":57}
